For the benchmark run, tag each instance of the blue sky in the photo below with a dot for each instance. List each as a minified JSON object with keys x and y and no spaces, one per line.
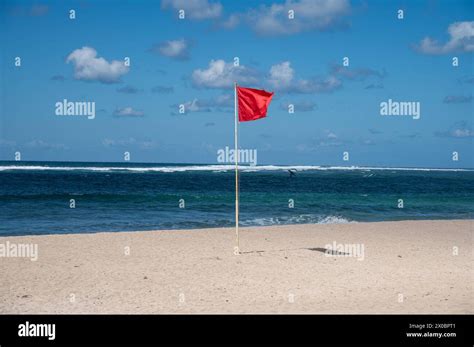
{"x":190,"y":61}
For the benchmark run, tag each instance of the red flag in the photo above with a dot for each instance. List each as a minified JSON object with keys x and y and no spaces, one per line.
{"x":253,"y":103}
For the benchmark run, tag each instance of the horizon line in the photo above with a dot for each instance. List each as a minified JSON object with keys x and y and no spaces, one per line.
{"x":243,"y":164}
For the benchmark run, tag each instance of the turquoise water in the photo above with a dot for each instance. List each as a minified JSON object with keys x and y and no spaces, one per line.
{"x":35,"y":196}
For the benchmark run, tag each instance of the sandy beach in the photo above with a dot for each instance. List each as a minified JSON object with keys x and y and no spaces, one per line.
{"x":385,"y":267}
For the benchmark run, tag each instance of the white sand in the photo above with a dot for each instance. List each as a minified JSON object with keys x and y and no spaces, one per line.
{"x":408,"y":267}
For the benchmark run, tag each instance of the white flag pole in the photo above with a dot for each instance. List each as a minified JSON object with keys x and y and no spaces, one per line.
{"x":236,"y":156}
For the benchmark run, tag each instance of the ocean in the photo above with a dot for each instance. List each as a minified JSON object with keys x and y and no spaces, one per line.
{"x":36,"y":197}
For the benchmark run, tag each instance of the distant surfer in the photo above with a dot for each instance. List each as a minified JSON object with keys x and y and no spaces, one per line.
{"x":292,"y":172}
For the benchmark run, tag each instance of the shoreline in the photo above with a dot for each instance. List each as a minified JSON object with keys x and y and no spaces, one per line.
{"x":399,"y":267}
{"x":233,"y":228}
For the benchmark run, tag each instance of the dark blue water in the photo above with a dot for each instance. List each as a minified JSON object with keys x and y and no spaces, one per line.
{"x":35,"y":197}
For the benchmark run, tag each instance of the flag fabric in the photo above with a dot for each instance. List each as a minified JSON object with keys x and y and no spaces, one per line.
{"x":252,"y":103}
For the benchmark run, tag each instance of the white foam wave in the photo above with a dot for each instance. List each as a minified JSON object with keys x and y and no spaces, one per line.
{"x":214,"y":168}
{"x":301,"y":219}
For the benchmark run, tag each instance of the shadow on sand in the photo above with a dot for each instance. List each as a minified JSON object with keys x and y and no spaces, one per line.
{"x":317,"y":249}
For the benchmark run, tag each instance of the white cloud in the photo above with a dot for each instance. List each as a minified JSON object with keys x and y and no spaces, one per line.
{"x":45,"y":145}
{"x":195,"y":9}
{"x":176,"y":49}
{"x":224,"y":100}
{"x":282,"y":78}
{"x":458,"y":130}
{"x":231,"y":22}
{"x":461,"y":39}
{"x":195,"y":106}
{"x":39,"y":144}
{"x":88,"y":67}
{"x":327,"y":139}
{"x":220,"y":74}
{"x":281,"y":75}
{"x":457,"y":99}
{"x":308,"y":15}
{"x":128,"y":112}
{"x":130,"y":142}
{"x":357,"y":74}
{"x":462,"y":133}
{"x":222,"y":103}
{"x":128,"y":90}
{"x":300,"y":106}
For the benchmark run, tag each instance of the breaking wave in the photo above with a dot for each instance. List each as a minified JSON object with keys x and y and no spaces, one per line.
{"x":212,"y":168}
{"x":301,"y":219}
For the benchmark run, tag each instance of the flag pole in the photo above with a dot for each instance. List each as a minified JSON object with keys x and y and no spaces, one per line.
{"x":236,"y":156}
